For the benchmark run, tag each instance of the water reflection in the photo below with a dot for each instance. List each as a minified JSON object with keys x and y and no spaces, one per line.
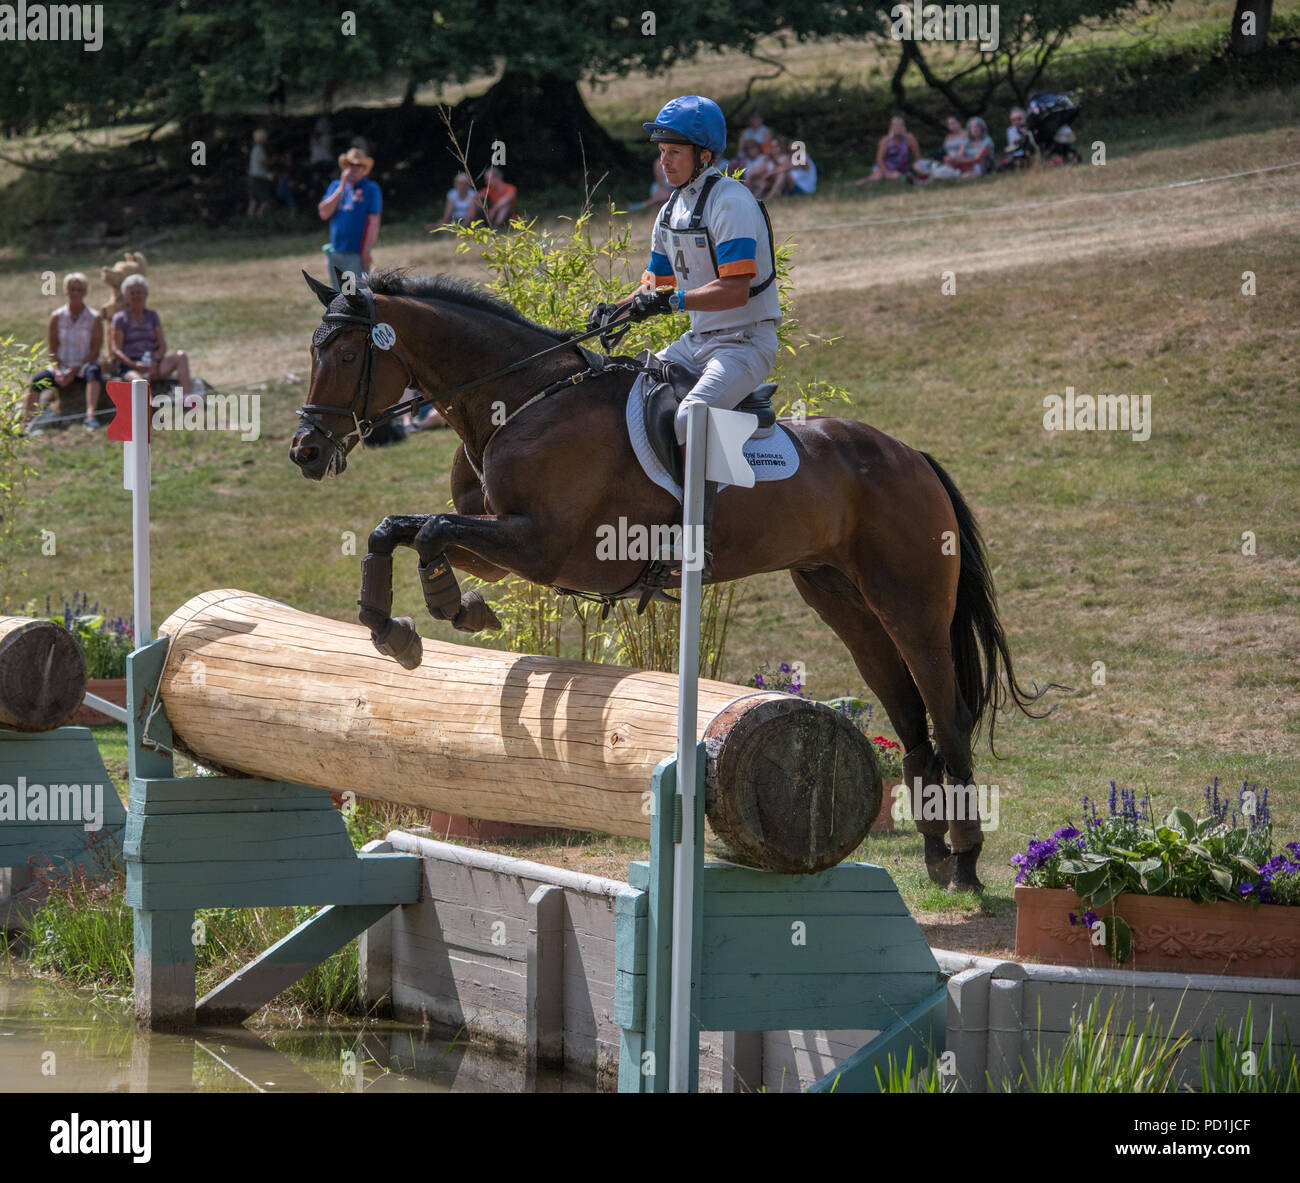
{"x":53,"y":1039}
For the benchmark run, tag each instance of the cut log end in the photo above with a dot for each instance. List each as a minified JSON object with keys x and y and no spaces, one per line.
{"x":792,"y":787}
{"x":42,"y":674}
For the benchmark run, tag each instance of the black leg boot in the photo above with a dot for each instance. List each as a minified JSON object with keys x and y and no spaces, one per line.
{"x":938,"y":859}
{"x":710,"y":497}
{"x":964,"y":877}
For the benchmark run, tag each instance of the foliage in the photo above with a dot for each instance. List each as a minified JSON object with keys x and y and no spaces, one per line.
{"x":904,"y":1078}
{"x":83,"y":928}
{"x":1097,"y":1059}
{"x":17,"y":363}
{"x":105,"y":641}
{"x":1217,"y":858}
{"x":1236,"y":1067}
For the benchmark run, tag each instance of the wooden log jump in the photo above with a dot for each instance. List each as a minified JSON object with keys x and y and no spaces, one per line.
{"x":42,"y":674}
{"x":254,"y":686}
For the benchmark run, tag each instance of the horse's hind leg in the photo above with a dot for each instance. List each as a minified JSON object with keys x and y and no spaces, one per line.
{"x":839,"y":603}
{"x":920,"y":630}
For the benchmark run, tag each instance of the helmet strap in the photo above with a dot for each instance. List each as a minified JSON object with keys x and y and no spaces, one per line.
{"x":700,"y":166}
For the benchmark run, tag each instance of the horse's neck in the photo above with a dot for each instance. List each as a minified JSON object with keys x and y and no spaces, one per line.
{"x":478,"y":413}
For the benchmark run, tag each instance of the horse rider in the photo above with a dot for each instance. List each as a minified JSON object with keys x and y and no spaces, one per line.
{"x":712,"y":257}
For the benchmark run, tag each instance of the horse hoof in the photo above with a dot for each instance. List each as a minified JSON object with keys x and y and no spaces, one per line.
{"x":401,"y":642}
{"x":964,"y":877}
{"x":475,"y":614}
{"x":938,"y":860}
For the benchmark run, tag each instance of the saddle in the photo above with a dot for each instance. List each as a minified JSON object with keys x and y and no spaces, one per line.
{"x":670,"y":383}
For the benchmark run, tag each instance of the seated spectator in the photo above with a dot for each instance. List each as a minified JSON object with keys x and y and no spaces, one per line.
{"x":972,"y":158}
{"x":976,"y":156}
{"x":926,"y":167}
{"x":773,"y":178}
{"x":497,"y":199}
{"x":802,"y":177}
{"x":896,"y":152}
{"x":76,"y":335}
{"x":756,"y":131}
{"x":747,"y":161}
{"x":259,"y":176}
{"x":462,"y":204}
{"x":139,"y":349}
{"x":1017,"y":131}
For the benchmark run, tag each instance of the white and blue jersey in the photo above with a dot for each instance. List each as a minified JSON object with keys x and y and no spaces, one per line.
{"x":691,"y":247}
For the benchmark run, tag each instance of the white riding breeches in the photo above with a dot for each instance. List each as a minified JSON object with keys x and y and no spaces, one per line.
{"x":734,"y":362}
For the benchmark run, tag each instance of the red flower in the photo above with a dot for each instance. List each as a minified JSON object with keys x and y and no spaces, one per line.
{"x":884,"y":744}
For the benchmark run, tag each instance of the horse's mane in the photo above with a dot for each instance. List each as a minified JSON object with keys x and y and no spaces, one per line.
{"x":398,"y":281}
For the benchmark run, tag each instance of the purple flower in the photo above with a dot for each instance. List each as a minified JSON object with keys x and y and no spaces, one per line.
{"x":758,"y":681}
{"x":1073,"y":919}
{"x":1246,"y":889}
{"x":1066,"y":832}
{"x":1089,"y":919}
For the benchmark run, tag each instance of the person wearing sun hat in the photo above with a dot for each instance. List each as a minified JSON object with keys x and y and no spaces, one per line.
{"x":352,"y":206}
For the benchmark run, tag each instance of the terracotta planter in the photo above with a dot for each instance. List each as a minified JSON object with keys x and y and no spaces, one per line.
{"x":1168,"y":934}
{"x":111,"y":689}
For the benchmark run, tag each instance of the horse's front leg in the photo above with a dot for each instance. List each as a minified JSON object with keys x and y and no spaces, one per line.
{"x":393,"y":638}
{"x":509,"y":539}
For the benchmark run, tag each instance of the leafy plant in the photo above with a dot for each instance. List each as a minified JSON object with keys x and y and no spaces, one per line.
{"x":1236,"y":1067}
{"x":17,"y":362}
{"x":1218,"y":858}
{"x":1095,"y":1058}
{"x":106,"y":641}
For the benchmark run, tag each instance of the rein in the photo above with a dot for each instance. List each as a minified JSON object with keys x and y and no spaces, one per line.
{"x":380,"y":335}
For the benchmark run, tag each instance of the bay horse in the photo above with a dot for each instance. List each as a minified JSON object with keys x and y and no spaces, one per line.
{"x":875,"y":535}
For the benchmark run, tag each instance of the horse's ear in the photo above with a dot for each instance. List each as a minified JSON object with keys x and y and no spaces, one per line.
{"x":324,"y":293}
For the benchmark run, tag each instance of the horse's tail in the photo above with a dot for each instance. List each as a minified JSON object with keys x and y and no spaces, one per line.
{"x":976,"y":637}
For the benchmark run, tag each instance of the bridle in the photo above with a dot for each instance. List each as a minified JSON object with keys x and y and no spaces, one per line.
{"x":378,"y":335}
{"x":381,"y":335}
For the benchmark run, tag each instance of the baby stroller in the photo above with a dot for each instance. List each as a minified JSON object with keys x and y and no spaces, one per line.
{"x":1050,"y":136}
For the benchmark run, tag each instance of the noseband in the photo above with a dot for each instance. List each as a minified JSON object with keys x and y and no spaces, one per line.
{"x":379,"y":335}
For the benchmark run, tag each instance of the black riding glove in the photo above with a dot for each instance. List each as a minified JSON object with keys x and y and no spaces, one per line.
{"x":600,"y":315}
{"x":646,"y":304}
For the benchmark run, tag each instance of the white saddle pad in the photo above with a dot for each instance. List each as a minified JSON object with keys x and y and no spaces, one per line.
{"x":772,"y":459}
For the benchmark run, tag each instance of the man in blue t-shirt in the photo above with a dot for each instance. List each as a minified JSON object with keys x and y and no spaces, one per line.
{"x":352,"y":206}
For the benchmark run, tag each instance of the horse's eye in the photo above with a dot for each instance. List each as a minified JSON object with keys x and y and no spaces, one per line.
{"x":348,"y":355}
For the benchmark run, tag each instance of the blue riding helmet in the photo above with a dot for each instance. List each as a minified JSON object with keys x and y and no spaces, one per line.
{"x":690,"y":119}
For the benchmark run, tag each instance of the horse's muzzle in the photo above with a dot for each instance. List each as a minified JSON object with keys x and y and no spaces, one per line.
{"x":315,"y":455}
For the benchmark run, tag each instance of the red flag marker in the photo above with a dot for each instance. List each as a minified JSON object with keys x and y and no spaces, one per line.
{"x":120,"y":428}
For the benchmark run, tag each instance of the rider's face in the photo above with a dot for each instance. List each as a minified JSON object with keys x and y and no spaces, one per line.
{"x":678,"y":162}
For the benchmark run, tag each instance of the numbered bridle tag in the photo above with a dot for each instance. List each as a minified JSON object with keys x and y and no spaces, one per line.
{"x":383,"y":335}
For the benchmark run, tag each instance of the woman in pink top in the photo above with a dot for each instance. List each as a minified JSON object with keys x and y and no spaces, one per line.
{"x":139,"y":349}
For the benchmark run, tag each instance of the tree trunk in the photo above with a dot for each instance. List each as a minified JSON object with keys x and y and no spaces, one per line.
{"x":541,"y":126}
{"x":258,"y":687}
{"x":1250,"y":24}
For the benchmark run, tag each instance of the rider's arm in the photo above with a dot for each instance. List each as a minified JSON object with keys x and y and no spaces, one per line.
{"x":330,"y":202}
{"x":727,"y":291}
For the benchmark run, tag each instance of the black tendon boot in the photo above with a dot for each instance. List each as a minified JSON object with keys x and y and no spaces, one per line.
{"x":963,"y":871}
{"x":710,"y":497}
{"x":938,"y":859}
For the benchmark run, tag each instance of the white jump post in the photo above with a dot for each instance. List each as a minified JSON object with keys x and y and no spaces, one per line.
{"x":136,"y":478}
{"x":714,"y":443}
